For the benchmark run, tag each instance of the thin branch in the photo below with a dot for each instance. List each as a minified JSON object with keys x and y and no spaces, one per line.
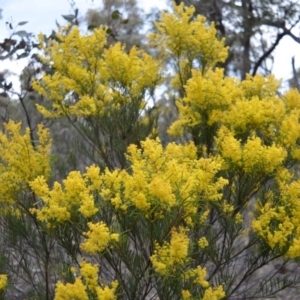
{"x":267,"y":53}
{"x":295,"y":74}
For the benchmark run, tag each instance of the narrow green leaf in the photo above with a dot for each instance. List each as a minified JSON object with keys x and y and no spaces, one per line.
{"x":22,"y":23}
{"x":116,"y":15}
{"x":91,"y":27}
{"x":69,"y":18}
{"x":22,"y":33}
{"x":23,"y":55}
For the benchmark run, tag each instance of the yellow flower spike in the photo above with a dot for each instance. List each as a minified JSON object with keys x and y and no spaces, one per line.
{"x":179,"y":245}
{"x":229,"y":147}
{"x":203,"y":243}
{"x":107,"y":293}
{"x":90,"y":274}
{"x":292,"y":99}
{"x":200,"y":274}
{"x":85,"y":284}
{"x":186,"y":295}
{"x":253,"y":156}
{"x":92,"y":177}
{"x":87,"y":206}
{"x":75,"y":291}
{"x":3,"y":281}
{"x":260,"y":86}
{"x":214,"y":293}
{"x":172,"y":254}
{"x":239,"y":218}
{"x":294,"y":249}
{"x":162,"y":190}
{"x":21,"y":162}
{"x":75,"y":192}
{"x":256,"y":155}
{"x":289,"y":128}
{"x":204,"y":217}
{"x":207,"y":98}
{"x":227,"y":208}
{"x":197,"y":276}
{"x":286,"y":228}
{"x":97,"y":238}
{"x":180,"y":36}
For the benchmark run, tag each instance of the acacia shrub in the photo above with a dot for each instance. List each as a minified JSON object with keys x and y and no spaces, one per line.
{"x":200,"y":218}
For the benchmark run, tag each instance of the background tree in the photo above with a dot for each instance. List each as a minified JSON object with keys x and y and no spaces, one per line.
{"x":253,"y":29}
{"x":125,"y":20}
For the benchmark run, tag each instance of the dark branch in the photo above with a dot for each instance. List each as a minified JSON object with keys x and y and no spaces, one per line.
{"x":267,"y":53}
{"x":295,"y":74}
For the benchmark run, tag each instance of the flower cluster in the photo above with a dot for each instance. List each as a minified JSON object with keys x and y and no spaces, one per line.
{"x":102,"y":78}
{"x":168,"y":257}
{"x":20,"y":160}
{"x":98,"y":238}
{"x":188,"y":40}
{"x":172,"y":257}
{"x":86,"y":285}
{"x":64,"y":201}
{"x":251,"y":156}
{"x":278,"y":219}
{"x":164,"y":179}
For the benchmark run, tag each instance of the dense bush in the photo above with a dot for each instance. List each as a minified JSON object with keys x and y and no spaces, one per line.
{"x":212,"y":215}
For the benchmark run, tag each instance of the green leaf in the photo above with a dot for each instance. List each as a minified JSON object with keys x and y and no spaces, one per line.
{"x":57,"y":24}
{"x":23,"y":55}
{"x":116,"y":15}
{"x":91,"y":27}
{"x":12,"y":51}
{"x":53,"y":36}
{"x":35,"y":45}
{"x":22,"y":33}
{"x":22,"y":23}
{"x":125,"y":21}
{"x":7,"y":87}
{"x":69,"y":18}
{"x":109,"y":31}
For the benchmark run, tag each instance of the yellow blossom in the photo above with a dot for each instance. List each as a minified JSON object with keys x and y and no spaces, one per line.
{"x":107,"y":293}
{"x":162,"y":179}
{"x":21,"y":162}
{"x":203,"y":243}
{"x":186,"y":295}
{"x":3,"y":281}
{"x":168,"y":256}
{"x":207,"y":96}
{"x":90,"y":274}
{"x":179,"y":35}
{"x":75,"y":192}
{"x":227,"y":208}
{"x":85,"y":66}
{"x":239,"y":218}
{"x":214,"y":293}
{"x":204,"y":216}
{"x":98,"y":238}
{"x":75,"y":291}
{"x":83,"y":285}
